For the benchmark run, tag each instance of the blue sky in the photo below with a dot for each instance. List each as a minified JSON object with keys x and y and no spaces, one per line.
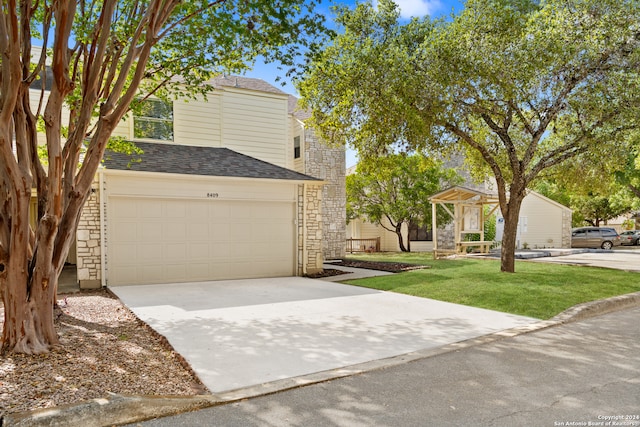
{"x":408,"y":8}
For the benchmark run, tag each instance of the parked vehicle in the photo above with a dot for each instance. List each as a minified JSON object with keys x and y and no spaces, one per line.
{"x":631,"y":237}
{"x":594,"y":237}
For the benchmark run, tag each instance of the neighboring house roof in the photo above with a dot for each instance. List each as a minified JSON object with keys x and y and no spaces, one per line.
{"x":190,"y":160}
{"x":298,"y":113}
{"x":245,"y":83}
{"x":548,"y":200}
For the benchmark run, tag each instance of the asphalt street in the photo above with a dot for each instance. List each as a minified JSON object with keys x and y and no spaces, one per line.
{"x":581,"y":373}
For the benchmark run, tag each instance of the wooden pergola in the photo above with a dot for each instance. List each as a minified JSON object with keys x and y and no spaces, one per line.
{"x":468,"y":217}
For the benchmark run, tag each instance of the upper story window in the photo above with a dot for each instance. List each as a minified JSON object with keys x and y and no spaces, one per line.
{"x":296,"y":147}
{"x":153,"y":119}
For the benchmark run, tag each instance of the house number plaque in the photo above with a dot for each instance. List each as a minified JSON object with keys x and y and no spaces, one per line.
{"x":213,"y":195}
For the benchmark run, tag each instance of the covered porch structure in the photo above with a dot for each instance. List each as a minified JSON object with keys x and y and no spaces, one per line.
{"x":466,"y":207}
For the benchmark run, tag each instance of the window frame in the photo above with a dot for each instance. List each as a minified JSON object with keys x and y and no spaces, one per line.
{"x":297,"y":151}
{"x":169,"y":120}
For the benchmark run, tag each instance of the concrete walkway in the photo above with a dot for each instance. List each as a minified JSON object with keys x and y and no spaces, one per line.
{"x":241,"y":333}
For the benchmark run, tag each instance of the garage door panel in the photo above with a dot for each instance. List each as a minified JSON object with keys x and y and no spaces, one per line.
{"x":176,"y":252}
{"x":175,"y":273}
{"x":218,"y":250}
{"x":124,"y":254}
{"x":150,"y":231}
{"x":128,"y":211}
{"x":147,"y":253}
{"x":174,"y":231}
{"x":219,"y":233}
{"x":240,"y":232}
{"x":124,"y":273}
{"x":240,"y":212}
{"x":191,"y":240}
{"x":126,"y":231}
{"x":197,"y":231}
{"x":198,"y":212}
{"x":151,"y":273}
{"x":220,"y":210}
{"x":198,"y":251}
{"x":198,"y":271}
{"x":174,"y":210}
{"x":149,"y":208}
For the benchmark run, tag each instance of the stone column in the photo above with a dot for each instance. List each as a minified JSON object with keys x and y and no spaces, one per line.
{"x":88,"y":244}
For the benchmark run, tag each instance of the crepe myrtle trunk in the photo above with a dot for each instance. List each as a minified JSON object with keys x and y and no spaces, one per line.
{"x":29,"y":288}
{"x":28,"y":283}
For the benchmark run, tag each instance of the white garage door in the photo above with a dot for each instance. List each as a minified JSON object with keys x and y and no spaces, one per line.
{"x":167,"y":240}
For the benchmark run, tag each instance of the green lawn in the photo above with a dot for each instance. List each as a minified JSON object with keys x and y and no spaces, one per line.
{"x":536,"y":289}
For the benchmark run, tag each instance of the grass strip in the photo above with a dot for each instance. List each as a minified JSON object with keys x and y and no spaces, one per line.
{"x":536,"y":290}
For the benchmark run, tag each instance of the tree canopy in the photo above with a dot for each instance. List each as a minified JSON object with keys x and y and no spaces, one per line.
{"x":397,"y":188}
{"x":519,"y":85}
{"x":97,"y":58}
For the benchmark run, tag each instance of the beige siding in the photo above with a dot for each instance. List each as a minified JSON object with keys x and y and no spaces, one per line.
{"x":34,"y":100}
{"x":366,"y":230}
{"x":543,"y":223}
{"x":198,"y":122}
{"x":256,"y":125}
{"x":124,"y":129}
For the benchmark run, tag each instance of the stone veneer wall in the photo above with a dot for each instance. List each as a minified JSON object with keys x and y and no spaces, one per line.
{"x":310,"y":227}
{"x":88,"y":244}
{"x":446,"y":237}
{"x":327,"y":163}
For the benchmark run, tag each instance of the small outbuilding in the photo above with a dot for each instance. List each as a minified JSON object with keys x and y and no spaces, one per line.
{"x":543,"y":223}
{"x":466,"y":208}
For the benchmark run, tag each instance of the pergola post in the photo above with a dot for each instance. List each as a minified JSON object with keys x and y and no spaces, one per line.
{"x":434,"y":227}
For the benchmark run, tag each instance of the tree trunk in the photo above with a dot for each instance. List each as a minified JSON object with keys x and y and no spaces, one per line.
{"x":398,"y":232}
{"x":28,"y":284}
{"x":510,"y":233}
{"x":28,"y":324}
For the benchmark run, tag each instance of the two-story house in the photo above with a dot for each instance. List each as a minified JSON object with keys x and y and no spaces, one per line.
{"x":231,"y":186}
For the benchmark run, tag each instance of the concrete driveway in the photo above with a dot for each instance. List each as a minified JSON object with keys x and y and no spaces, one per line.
{"x":620,"y":258}
{"x":242,"y":333}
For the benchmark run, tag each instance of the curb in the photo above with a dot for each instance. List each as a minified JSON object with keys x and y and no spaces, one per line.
{"x":118,"y":409}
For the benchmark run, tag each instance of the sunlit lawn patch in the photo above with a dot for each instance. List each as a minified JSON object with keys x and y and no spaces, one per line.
{"x":536,"y":289}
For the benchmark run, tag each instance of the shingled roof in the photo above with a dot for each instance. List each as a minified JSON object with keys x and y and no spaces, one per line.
{"x":207,"y":161}
{"x":241,"y":82}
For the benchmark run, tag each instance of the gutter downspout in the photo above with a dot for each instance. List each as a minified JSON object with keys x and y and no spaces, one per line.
{"x":103,"y":247}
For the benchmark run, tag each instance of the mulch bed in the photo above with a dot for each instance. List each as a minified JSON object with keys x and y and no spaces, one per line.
{"x":392,"y":267}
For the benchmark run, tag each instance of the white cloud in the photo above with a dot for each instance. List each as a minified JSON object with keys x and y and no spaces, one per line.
{"x":418,"y":8}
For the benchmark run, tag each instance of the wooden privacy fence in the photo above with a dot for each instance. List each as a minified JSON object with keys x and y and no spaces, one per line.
{"x":363,"y":245}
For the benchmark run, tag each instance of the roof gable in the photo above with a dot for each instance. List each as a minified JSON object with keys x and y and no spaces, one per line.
{"x":461,"y":194}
